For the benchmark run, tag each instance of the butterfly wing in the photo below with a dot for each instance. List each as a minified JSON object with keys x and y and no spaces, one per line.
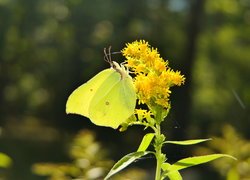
{"x":116,"y":106}
{"x":79,"y":101}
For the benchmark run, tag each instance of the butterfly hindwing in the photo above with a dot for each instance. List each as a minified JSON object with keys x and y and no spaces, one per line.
{"x":116,"y":106}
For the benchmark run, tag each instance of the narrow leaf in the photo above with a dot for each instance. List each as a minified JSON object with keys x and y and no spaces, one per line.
{"x":125,"y":161}
{"x":192,"y":161}
{"x":145,"y":142}
{"x":173,"y":175}
{"x":5,"y":161}
{"x":187,"y":142}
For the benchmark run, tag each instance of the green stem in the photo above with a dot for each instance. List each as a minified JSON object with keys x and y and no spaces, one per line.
{"x":158,"y":167}
{"x":158,"y":153}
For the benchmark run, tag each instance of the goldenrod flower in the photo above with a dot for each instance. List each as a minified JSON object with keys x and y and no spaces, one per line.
{"x":143,"y":114}
{"x":153,"y":77}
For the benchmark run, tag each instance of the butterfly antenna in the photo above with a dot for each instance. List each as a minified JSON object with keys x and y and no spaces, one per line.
{"x":107,"y":56}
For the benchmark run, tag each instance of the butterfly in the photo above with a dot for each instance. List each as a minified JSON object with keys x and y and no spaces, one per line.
{"x":107,"y":99}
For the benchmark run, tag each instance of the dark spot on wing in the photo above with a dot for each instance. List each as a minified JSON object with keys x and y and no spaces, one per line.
{"x":107,"y":103}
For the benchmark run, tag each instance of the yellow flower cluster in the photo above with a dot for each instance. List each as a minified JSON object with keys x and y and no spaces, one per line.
{"x":143,"y":114}
{"x":153,"y":77}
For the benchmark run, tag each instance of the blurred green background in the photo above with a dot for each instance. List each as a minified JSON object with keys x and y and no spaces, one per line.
{"x":50,"y":47}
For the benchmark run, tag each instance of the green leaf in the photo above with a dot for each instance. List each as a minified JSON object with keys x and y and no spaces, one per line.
{"x":187,"y":142}
{"x":145,"y":142}
{"x":173,"y":175}
{"x":192,"y":161}
{"x":5,"y":161}
{"x":125,"y":161}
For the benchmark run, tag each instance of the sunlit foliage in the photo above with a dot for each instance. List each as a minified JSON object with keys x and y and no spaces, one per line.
{"x":89,"y":161}
{"x":233,"y":143}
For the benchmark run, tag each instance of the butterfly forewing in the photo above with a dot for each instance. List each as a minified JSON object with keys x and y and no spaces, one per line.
{"x":79,"y":101}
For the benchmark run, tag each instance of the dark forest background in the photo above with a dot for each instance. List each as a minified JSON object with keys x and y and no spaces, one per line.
{"x":50,"y":47}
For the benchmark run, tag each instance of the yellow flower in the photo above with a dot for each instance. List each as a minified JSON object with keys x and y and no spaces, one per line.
{"x":144,"y":115}
{"x":153,"y":77}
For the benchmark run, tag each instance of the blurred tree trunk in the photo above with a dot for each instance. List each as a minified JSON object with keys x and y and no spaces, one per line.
{"x":3,"y":72}
{"x":2,"y":82}
{"x":183,"y":113}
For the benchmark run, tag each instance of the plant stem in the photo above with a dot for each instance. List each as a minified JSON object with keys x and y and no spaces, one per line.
{"x":158,"y":154}
{"x":158,"y":167}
